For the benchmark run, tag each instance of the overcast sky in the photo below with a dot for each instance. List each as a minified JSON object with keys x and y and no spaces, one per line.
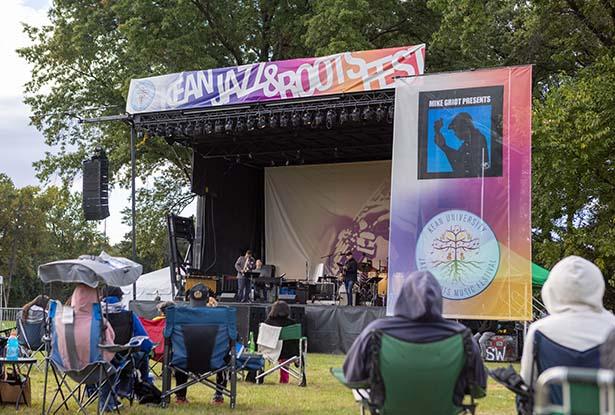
{"x":20,"y":143}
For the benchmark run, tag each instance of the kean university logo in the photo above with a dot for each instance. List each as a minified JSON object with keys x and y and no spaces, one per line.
{"x":143,"y":95}
{"x":461,"y":251}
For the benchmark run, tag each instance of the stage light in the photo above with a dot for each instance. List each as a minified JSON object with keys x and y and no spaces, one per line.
{"x":287,"y":162}
{"x":169,"y":131}
{"x":250,"y":156}
{"x":251,"y":123}
{"x":391,"y":114}
{"x":367,"y":113}
{"x":189,"y":129}
{"x":307,"y":118}
{"x":330,"y":119}
{"x":284,"y":121}
{"x":343,"y":116}
{"x":228,"y":127}
{"x":295,"y":119}
{"x":318,"y":119}
{"x":262,"y":121}
{"x":159,"y":131}
{"x":355,"y":115}
{"x":218,"y":128}
{"x":273,"y":121}
{"x":380,"y":113}
{"x":240,"y":125}
{"x":208,"y":128}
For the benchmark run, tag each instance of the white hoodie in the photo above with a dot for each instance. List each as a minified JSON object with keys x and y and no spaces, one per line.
{"x":577,"y":319}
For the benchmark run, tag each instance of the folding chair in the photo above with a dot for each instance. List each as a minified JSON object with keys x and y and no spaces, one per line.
{"x":584,"y":391}
{"x":155,"y":329}
{"x":288,"y":333}
{"x":412,"y":378}
{"x":31,"y":333}
{"x":98,"y":374}
{"x":200,"y":343}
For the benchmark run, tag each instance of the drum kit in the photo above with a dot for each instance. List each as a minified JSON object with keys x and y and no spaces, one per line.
{"x":372,"y":284}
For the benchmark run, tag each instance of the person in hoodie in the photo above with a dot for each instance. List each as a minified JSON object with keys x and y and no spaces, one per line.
{"x":577,"y":318}
{"x":417,"y":318}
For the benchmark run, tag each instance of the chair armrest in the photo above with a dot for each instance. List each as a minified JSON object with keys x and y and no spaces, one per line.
{"x":338,"y":373}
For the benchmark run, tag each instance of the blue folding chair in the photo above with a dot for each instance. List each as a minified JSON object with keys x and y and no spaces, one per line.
{"x":200,"y":343}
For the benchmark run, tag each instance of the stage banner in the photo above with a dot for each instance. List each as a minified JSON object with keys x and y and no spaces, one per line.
{"x":460,"y":194}
{"x":268,"y":81}
{"x":316,"y":210}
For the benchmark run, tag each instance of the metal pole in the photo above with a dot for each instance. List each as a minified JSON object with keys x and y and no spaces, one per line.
{"x":133,"y":166}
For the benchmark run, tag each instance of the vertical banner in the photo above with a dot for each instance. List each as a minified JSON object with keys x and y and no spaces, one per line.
{"x":461,"y":190}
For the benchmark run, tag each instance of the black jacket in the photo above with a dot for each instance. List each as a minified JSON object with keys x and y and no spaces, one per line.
{"x":351,"y":268}
{"x":290,"y":348}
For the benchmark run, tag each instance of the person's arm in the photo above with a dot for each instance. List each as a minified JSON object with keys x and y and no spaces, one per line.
{"x":238,"y":266}
{"x":356,"y":369}
{"x":527,"y":359}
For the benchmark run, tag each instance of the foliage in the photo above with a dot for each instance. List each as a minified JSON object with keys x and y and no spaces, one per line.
{"x":38,"y":226}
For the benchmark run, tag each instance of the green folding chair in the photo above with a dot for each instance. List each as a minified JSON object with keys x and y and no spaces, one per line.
{"x":295,"y":365}
{"x":584,"y":391}
{"x":412,"y":378}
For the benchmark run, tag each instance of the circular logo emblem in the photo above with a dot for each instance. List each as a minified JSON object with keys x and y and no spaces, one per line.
{"x":461,"y":251}
{"x":143,"y":95}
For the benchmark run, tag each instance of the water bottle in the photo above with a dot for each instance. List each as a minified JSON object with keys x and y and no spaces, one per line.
{"x":12,"y":347}
{"x":251,"y":345}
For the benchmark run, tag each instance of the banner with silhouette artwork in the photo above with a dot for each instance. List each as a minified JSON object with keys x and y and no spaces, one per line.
{"x":461,"y":190}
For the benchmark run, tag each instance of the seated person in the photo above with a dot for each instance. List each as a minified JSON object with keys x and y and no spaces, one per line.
{"x":279,"y":316}
{"x":577,"y":318}
{"x":112,"y":303}
{"x":417,"y":318}
{"x":35,"y":308}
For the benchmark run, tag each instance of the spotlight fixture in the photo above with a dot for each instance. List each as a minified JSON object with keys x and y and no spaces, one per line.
{"x":251,"y":123}
{"x":367,"y":113}
{"x":168,"y":132}
{"x":159,"y":131}
{"x":318,"y":119}
{"x":240,"y":125}
{"x":228,"y":127}
{"x":355,"y":115}
{"x":250,"y":156}
{"x":218,"y":127}
{"x":287,"y":162}
{"x":209,"y":128}
{"x":273,"y":121}
{"x":343,"y":116}
{"x":284,"y":121}
{"x":307,"y":118}
{"x":391,"y":114}
{"x":380,"y":114}
{"x":189,"y":129}
{"x":330,"y":119}
{"x":295,"y":119}
{"x":262,"y":121}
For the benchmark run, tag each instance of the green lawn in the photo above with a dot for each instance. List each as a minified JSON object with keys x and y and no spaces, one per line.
{"x":322,"y":395}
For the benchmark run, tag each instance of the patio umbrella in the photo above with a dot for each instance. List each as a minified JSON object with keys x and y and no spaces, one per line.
{"x":92,"y":270}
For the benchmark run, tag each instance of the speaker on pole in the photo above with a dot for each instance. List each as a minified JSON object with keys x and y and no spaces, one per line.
{"x":96,"y":187}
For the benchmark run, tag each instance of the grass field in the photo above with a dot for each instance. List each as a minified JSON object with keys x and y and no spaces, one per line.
{"x":323,"y":395}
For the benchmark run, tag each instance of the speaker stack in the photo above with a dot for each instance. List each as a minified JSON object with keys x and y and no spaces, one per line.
{"x":96,"y":187}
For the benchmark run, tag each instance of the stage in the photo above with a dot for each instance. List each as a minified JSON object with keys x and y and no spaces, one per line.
{"x":329,"y":328}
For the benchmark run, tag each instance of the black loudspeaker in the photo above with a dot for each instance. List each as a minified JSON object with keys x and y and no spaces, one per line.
{"x":258,"y":314}
{"x":96,"y":187}
{"x":243,"y":323}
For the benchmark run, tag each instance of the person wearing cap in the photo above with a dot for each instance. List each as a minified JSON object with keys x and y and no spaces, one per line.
{"x":351,"y":268}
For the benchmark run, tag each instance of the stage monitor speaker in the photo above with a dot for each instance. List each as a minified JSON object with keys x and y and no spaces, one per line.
{"x":96,"y":187}
{"x":227,"y":297}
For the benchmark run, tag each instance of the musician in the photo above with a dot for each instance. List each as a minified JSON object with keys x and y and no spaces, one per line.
{"x":350,"y":275}
{"x":244,"y":263}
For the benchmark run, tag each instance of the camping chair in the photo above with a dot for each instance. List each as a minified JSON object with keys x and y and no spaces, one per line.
{"x":549,"y":354}
{"x":98,"y":374}
{"x":288,"y":333}
{"x":584,"y":391}
{"x":417,"y":378}
{"x":200,"y":343}
{"x":31,"y":333}
{"x":155,"y":329}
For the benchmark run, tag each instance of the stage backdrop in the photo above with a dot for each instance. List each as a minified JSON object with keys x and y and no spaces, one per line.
{"x":312,"y":211}
{"x":460,"y":204}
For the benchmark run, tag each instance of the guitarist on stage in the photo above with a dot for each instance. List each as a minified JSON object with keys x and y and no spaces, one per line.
{"x":350,"y":271}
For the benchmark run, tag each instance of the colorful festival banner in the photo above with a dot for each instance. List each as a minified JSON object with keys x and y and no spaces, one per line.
{"x":460,"y":192}
{"x":267,"y":81}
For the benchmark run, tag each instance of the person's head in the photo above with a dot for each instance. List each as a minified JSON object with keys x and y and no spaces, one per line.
{"x":198,"y":295}
{"x":279,"y":309}
{"x":574,"y":284}
{"x":41,"y":301}
{"x":248,"y":253}
{"x":114,"y":292}
{"x":420,"y":298}
{"x":162,"y":306}
{"x":462,"y":125}
{"x":259,"y":264}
